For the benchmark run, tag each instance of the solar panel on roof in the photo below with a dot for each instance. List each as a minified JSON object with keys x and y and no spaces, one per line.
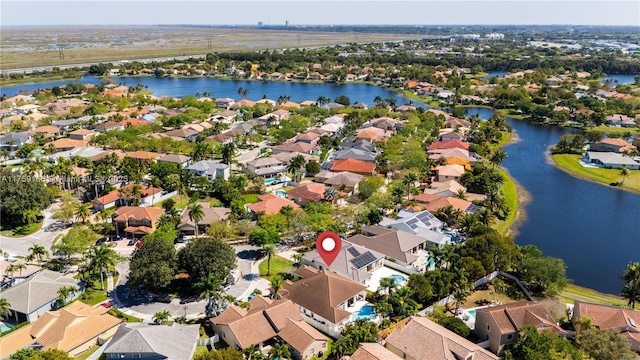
{"x":363,"y":260}
{"x":473,"y":208}
{"x":412,"y":221}
{"x":353,"y":251}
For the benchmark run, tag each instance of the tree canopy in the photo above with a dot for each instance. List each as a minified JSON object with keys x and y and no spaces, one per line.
{"x":204,"y":256}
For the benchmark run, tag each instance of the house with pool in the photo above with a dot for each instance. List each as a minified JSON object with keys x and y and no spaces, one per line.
{"x":422,"y":223}
{"x":326,"y":300}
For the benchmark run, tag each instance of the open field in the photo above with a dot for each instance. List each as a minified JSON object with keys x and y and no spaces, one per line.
{"x":569,"y":163}
{"x":38,"y":46}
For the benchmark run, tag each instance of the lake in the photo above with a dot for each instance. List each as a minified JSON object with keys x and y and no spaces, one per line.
{"x":619,"y":79}
{"x":593,"y":227}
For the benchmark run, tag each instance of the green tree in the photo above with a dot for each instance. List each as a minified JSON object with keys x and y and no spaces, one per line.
{"x":38,"y":252}
{"x":455,"y":324}
{"x":161,"y":316}
{"x":544,"y":275}
{"x":493,"y":250}
{"x":103,"y":258}
{"x":153,"y":264}
{"x":276,"y":285}
{"x":228,"y":150}
{"x":497,"y":157}
{"x":624,"y":172}
{"x":168,"y":204}
{"x":220,"y":259}
{"x":312,"y":167}
{"x":252,"y":352}
{"x":295,"y":166}
{"x":542,"y":345}
{"x":196,"y":213}
{"x":76,"y":241}
{"x":409,"y":181}
{"x":388,"y":284}
{"x":261,"y":237}
{"x":19,"y":196}
{"x":83,"y":212}
{"x":342,"y":99}
{"x":604,"y":345}
{"x":369,"y":185}
{"x":330,"y":194}
{"x":279,"y":351}
{"x":269,"y":250}
{"x":201,"y":151}
{"x":26,"y":354}
{"x":631,"y":288}
{"x":63,"y":295}
{"x":210,"y":288}
{"x":67,"y":209}
{"x":5,"y":308}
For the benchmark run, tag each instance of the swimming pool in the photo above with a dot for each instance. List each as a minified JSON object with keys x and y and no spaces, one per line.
{"x":430,"y":264}
{"x":5,"y":327}
{"x":452,"y":236}
{"x":397,"y":278}
{"x":270,"y":181}
{"x":281,"y":193}
{"x":472,"y":312}
{"x":366,"y":312}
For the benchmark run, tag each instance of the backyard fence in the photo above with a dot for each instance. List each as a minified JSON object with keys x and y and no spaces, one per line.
{"x":96,"y":355}
{"x":402,"y":269}
{"x":209,"y":341}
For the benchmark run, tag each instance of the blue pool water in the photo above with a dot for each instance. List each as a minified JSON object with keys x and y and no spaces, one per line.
{"x":281,"y":193}
{"x":398,"y":278}
{"x":270,"y":181}
{"x":472,"y":313}
{"x":5,"y":327}
{"x":453,"y":237}
{"x":430,"y":264}
{"x":366,"y":312}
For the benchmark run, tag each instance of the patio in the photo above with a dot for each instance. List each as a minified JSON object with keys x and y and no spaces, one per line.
{"x":381,"y":273}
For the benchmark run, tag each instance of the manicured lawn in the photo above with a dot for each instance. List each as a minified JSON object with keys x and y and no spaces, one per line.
{"x":250,"y":198}
{"x":278,"y":265}
{"x":511,"y":113}
{"x":93,"y":296}
{"x":569,"y":162}
{"x":427,"y":100}
{"x":181,"y":201}
{"x":120,"y":315}
{"x":614,"y":130}
{"x":22,"y":231}
{"x":510,"y":192}
{"x":575,"y":292}
{"x":87,"y":353}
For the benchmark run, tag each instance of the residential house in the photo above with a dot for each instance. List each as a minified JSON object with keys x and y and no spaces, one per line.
{"x":471,"y":158}
{"x":143,"y":155}
{"x":421,"y":223}
{"x":244,"y":102}
{"x":266,"y":321}
{"x":353,"y":261}
{"x":354,"y":166}
{"x":12,"y":278}
{"x":373,"y":351}
{"x":307,"y":103}
{"x":65,"y":144}
{"x":150,"y":342}
{"x":268,"y":167}
{"x":384,"y":123}
{"x":449,"y":172}
{"x":221,"y":139}
{"x":301,"y":147}
{"x":612,"y":145}
{"x":307,"y":191}
{"x":149,"y":195}
{"x":405,"y":108}
{"x":28,"y":109}
{"x":135,"y":221}
{"x":108,"y":126}
{"x":46,"y":131}
{"x":622,"y":321}
{"x":401,"y":246}
{"x":363,"y":145}
{"x":82,"y":134}
{"x":73,"y":329}
{"x":423,"y":339}
{"x":620,"y":120}
{"x":227,"y":116}
{"x":185,"y":134}
{"x":210,"y":169}
{"x":135,"y":122}
{"x":38,"y":294}
{"x":211,"y":215}
{"x":452,"y":135}
{"x":67,"y":124}
{"x":13,"y":141}
{"x":286,"y":157}
{"x":356,"y":154}
{"x":501,"y":325}
{"x":372,"y":134}
{"x":445,"y":188}
{"x":85,"y":152}
{"x":182,"y":160}
{"x":449,"y":144}
{"x":610,"y":160}
{"x":361,"y":106}
{"x":274,"y":118}
{"x":333,"y":106}
{"x":343,"y":181}
{"x":311,"y":136}
{"x":434,"y":203}
{"x":270,"y":204}
{"x":332,"y":304}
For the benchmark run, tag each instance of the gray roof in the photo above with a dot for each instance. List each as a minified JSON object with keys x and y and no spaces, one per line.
{"x":421,"y":223}
{"x":37,"y":291}
{"x":349,"y":179}
{"x":362,"y":145}
{"x":355,"y":153}
{"x":611,"y":158}
{"x":18,"y":137}
{"x":85,"y":151}
{"x":175,"y":342}
{"x":350,"y":262}
{"x":209,"y":167}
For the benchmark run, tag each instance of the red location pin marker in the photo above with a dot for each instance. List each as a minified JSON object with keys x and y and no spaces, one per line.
{"x":328,"y":245}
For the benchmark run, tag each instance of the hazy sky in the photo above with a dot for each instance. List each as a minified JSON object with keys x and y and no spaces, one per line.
{"x":241,"y":12}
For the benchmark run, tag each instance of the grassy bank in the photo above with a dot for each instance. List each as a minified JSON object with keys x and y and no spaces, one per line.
{"x":278,"y":265}
{"x":614,"y":130}
{"x":510,"y":191}
{"x":575,"y":292}
{"x":427,"y":100}
{"x":38,"y":79}
{"x":569,"y":163}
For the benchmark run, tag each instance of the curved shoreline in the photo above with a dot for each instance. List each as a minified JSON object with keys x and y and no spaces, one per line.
{"x":522,"y":196}
{"x":551,"y":160}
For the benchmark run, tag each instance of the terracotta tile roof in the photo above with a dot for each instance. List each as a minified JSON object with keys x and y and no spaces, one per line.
{"x":373,"y":351}
{"x":449,"y":144}
{"x":301,"y":147}
{"x":65,"y":143}
{"x":422,"y":339}
{"x":606,"y":317}
{"x":450,"y":170}
{"x":63,"y":329}
{"x":442,"y":202}
{"x":143,"y":155}
{"x":82,"y":132}
{"x":329,"y":291}
{"x":307,"y":190}
{"x":615,"y":141}
{"x":135,"y":122}
{"x":300,"y":335}
{"x":244,"y":102}
{"x":347,"y":178}
{"x":354,"y":166}
{"x":511,"y":317}
{"x":125,"y":213}
{"x":271,"y":204}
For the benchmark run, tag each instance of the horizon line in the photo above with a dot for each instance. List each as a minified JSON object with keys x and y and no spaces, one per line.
{"x":323,"y":25}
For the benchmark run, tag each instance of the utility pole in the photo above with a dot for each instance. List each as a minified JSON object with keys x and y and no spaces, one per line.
{"x":61,"y":51}
{"x":210,"y":44}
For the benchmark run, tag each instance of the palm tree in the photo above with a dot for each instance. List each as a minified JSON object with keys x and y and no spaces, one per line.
{"x":486,"y":217}
{"x":243,"y":92}
{"x":269,"y":250}
{"x":38,"y":252}
{"x":402,"y":302}
{"x":276,"y":285}
{"x":448,"y":214}
{"x":466,"y":221}
{"x":388,"y":284}
{"x":83,"y":212}
{"x":330,"y":194}
{"x":228,"y":150}
{"x":252,"y":352}
{"x":161,"y":316}
{"x":64,"y":293}
{"x":631,"y":293}
{"x":279,"y":351}
{"x":295,"y":165}
{"x":10,"y":270}
{"x":631,"y":289}
{"x":196,"y":213}
{"x":201,"y":151}
{"x":210,"y":288}
{"x":410,"y":181}
{"x":624,"y":172}
{"x":497,"y":157}
{"x":102,"y":258}
{"x":19,"y":267}
{"x":461,"y":194}
{"x":5,"y":308}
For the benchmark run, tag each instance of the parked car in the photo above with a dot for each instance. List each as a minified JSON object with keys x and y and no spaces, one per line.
{"x":107,"y":304}
{"x":189,"y":299}
{"x":180,"y":239}
{"x":163,"y":298}
{"x":115,"y":238}
{"x":132,"y":242}
{"x":138,"y":243}
{"x":101,"y":241}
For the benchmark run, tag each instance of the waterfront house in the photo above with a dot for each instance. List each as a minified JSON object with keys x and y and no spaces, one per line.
{"x":501,"y":324}
{"x":421,"y":223}
{"x":622,"y":321}
{"x":620,"y":120}
{"x":225,"y":103}
{"x":612,"y":145}
{"x":610,"y":160}
{"x":401,"y":246}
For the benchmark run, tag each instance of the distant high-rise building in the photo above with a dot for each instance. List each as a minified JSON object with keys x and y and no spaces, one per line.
{"x":260,"y":23}
{"x":286,"y":23}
